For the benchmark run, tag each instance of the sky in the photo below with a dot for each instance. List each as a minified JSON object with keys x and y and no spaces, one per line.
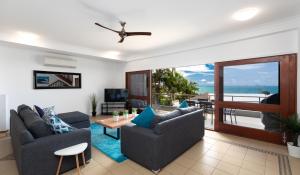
{"x":202,"y":74}
{"x":261,"y":74}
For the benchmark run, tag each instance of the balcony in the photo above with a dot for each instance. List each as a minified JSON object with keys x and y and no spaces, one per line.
{"x":165,"y":102}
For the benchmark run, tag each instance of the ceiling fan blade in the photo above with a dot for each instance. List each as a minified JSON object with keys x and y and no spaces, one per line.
{"x":138,"y":33}
{"x":106,"y":27}
{"x":122,"y":39}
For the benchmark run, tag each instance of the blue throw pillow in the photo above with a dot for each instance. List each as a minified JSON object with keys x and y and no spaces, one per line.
{"x":38,"y":110}
{"x":58,"y":126}
{"x":184,"y":104}
{"x":145,"y":118}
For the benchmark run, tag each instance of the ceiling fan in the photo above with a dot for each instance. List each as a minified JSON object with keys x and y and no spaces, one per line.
{"x":123,"y":34}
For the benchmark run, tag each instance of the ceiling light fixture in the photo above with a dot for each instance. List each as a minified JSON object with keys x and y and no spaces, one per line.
{"x":26,"y":38}
{"x":245,"y":14}
{"x":112,"y":54}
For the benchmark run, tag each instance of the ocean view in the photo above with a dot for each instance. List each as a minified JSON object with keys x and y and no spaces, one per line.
{"x":241,"y":89}
{"x":241,"y":79}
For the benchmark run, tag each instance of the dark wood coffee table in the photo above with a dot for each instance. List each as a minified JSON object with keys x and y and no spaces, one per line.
{"x":108,"y":122}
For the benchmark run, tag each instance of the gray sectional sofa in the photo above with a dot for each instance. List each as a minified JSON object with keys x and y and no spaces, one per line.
{"x":169,"y":137}
{"x":34,"y":143}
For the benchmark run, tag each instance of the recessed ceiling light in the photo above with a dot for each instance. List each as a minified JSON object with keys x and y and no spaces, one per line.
{"x":245,"y":14}
{"x":26,"y":37}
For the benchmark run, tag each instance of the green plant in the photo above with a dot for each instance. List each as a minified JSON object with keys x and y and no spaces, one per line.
{"x":266,"y":93}
{"x":115,"y":113}
{"x":125,"y":112}
{"x":94,"y":102}
{"x":173,"y":83}
{"x":165,"y":101}
{"x":291,"y":125}
{"x":134,"y":110}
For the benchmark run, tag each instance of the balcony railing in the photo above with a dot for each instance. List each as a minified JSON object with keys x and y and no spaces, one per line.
{"x":168,"y":99}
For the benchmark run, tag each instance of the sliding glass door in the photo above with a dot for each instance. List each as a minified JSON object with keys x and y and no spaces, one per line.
{"x":252,"y":95}
{"x":195,"y":84}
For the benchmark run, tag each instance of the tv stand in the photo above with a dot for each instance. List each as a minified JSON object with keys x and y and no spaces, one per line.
{"x":107,"y":108}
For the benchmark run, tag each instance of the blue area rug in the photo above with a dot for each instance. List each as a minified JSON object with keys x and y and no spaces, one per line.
{"x":106,"y":144}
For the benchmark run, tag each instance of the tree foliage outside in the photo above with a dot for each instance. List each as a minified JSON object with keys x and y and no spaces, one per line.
{"x":169,"y":81}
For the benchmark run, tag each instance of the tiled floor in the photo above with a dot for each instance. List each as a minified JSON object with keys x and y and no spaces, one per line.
{"x":211,"y":156}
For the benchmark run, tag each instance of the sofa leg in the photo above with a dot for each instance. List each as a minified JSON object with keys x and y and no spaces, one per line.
{"x":156,"y":171}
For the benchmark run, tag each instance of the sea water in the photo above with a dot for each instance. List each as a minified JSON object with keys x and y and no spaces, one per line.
{"x":241,"y":89}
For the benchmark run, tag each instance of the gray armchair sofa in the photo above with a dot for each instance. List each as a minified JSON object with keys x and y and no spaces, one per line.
{"x":34,"y":144}
{"x":155,"y":148}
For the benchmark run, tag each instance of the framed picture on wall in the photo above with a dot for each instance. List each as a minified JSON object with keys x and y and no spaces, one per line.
{"x":56,"y":80}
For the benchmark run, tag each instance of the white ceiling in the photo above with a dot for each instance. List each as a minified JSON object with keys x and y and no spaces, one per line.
{"x":69,"y":24}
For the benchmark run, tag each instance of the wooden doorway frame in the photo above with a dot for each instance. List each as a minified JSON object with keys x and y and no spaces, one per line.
{"x":288,"y":97}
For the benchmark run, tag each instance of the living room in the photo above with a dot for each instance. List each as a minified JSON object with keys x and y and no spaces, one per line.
{"x":206,"y":44}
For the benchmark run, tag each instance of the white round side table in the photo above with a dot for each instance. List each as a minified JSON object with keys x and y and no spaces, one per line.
{"x":71,"y":151}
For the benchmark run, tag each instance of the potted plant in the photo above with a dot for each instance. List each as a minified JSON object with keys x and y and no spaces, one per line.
{"x":116,"y":116}
{"x":125,"y":114}
{"x":94,"y":103}
{"x":266,"y":93}
{"x":292,"y":128}
{"x":134,"y":111}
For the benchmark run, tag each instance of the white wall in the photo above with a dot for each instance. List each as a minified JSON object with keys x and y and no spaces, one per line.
{"x":16,"y":80}
{"x":298,"y":74}
{"x":2,"y":112}
{"x":276,"y":43}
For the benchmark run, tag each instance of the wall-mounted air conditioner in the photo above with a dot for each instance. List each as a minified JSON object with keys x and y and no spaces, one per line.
{"x":60,"y":62}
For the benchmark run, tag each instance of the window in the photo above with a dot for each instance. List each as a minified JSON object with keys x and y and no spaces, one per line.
{"x":252,"y":83}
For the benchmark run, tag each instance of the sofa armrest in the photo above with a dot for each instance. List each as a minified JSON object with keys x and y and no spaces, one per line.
{"x":141,"y":145}
{"x":40,"y":153}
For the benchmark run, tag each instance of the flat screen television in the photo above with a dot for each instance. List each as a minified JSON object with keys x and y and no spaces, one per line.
{"x":116,"y":95}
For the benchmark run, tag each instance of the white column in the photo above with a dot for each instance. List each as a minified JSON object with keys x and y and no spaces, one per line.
{"x":3,"y":120}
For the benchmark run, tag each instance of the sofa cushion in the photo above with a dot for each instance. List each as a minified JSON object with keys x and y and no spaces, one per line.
{"x":58,"y":126}
{"x":184,"y":104}
{"x":73,"y":117}
{"x":38,"y":110}
{"x":163,"y":117}
{"x":187,"y":110}
{"x":49,"y":111}
{"x":22,"y":107}
{"x":19,"y":133}
{"x":145,"y":118}
{"x":33,"y":122}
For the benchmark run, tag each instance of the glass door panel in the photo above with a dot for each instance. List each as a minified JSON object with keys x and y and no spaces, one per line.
{"x":195,"y":84}
{"x":137,"y":84}
{"x":251,"y":83}
{"x":268,"y":121}
{"x":252,"y":95}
